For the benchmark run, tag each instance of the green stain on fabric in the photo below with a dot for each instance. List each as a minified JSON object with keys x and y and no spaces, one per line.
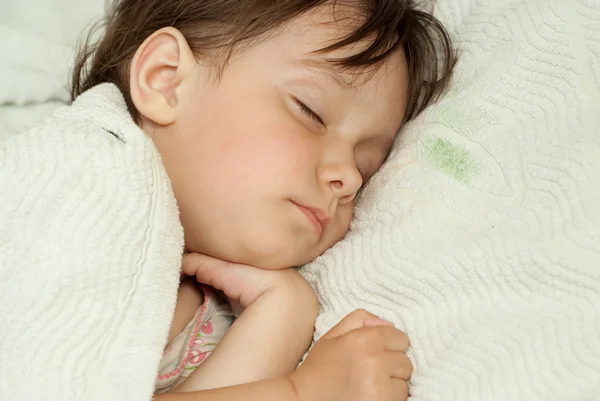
{"x":449,"y":158}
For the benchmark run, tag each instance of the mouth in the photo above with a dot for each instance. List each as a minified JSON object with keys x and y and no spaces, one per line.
{"x":316,"y":217}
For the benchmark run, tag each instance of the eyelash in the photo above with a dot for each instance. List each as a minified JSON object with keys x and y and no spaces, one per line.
{"x":315,"y":117}
{"x":311,"y":114}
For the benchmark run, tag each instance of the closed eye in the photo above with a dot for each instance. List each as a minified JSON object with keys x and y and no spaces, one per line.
{"x":311,"y":114}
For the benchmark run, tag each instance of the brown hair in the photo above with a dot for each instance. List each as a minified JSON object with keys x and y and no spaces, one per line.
{"x":219,"y":26}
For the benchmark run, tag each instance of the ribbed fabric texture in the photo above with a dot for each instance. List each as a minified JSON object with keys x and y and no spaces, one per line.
{"x":90,"y":254}
{"x":481,"y":235}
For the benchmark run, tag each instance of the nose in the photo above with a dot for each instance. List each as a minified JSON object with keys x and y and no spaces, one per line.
{"x":341,"y":175}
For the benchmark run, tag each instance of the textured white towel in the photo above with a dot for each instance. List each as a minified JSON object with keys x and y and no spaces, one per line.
{"x":481,"y":235}
{"x":90,"y":254}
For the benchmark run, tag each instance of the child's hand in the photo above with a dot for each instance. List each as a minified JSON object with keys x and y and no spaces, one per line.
{"x":244,"y":284}
{"x":362,"y":358}
{"x":278,"y":305}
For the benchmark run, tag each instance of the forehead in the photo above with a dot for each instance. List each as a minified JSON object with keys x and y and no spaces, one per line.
{"x":305,"y":37}
{"x":375,"y":95}
{"x":380,"y":89}
{"x":324,"y":26}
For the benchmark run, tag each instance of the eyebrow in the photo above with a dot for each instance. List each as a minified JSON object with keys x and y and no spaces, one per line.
{"x":325,"y":69}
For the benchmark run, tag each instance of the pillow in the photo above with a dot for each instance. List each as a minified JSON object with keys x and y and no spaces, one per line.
{"x":38,"y":43}
{"x":480,"y":237}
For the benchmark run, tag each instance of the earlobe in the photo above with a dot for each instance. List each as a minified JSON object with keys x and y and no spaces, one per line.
{"x":157,"y":70}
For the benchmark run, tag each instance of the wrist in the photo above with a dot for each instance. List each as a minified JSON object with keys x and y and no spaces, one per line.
{"x":294,"y":390}
{"x":304,"y":391}
{"x":295,"y":294}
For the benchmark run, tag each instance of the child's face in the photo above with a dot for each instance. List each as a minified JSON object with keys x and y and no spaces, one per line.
{"x":257,"y":179}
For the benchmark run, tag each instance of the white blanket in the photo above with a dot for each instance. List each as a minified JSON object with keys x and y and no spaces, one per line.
{"x":90,"y":254}
{"x":481,"y":235}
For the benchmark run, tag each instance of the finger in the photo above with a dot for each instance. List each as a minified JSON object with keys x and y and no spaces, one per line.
{"x":353,"y":321}
{"x":206,"y":269}
{"x":237,"y":281}
{"x":392,"y":338}
{"x":400,"y":367}
{"x":400,"y":390}
{"x":192,"y":261}
{"x":377,"y":322}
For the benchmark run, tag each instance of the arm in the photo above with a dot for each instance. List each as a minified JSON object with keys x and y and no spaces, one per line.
{"x":268,"y":339}
{"x":362,"y":358}
{"x":267,"y":390}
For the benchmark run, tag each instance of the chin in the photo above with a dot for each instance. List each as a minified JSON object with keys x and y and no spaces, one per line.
{"x":268,"y":261}
{"x":269,"y":252}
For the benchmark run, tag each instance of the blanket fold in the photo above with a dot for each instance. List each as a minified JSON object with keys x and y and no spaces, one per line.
{"x":90,"y":254}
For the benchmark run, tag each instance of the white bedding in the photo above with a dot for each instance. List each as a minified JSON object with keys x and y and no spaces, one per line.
{"x":481,"y":235}
{"x":38,"y":44}
{"x":15,"y":118}
{"x":89,"y":256}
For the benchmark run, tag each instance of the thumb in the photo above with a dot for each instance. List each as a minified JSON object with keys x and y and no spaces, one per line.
{"x":355,"y":320}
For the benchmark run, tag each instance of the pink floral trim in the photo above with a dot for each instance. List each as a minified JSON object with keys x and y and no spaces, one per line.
{"x":190,"y":346}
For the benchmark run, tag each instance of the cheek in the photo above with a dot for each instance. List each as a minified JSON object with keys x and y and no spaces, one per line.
{"x":249,"y":135}
{"x":262,"y":150}
{"x":344,"y":218}
{"x":346,"y":212}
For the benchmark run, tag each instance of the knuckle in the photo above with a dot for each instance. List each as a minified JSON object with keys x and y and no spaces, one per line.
{"x":403,"y":340}
{"x":362,"y":338}
{"x":410,"y":365}
{"x":403,"y":390}
{"x":362,"y":314}
{"x":409,"y":368}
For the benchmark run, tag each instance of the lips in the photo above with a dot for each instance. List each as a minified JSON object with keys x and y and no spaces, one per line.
{"x":317,"y":217}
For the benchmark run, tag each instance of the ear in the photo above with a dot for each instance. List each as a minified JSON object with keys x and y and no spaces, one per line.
{"x":158,"y":68}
